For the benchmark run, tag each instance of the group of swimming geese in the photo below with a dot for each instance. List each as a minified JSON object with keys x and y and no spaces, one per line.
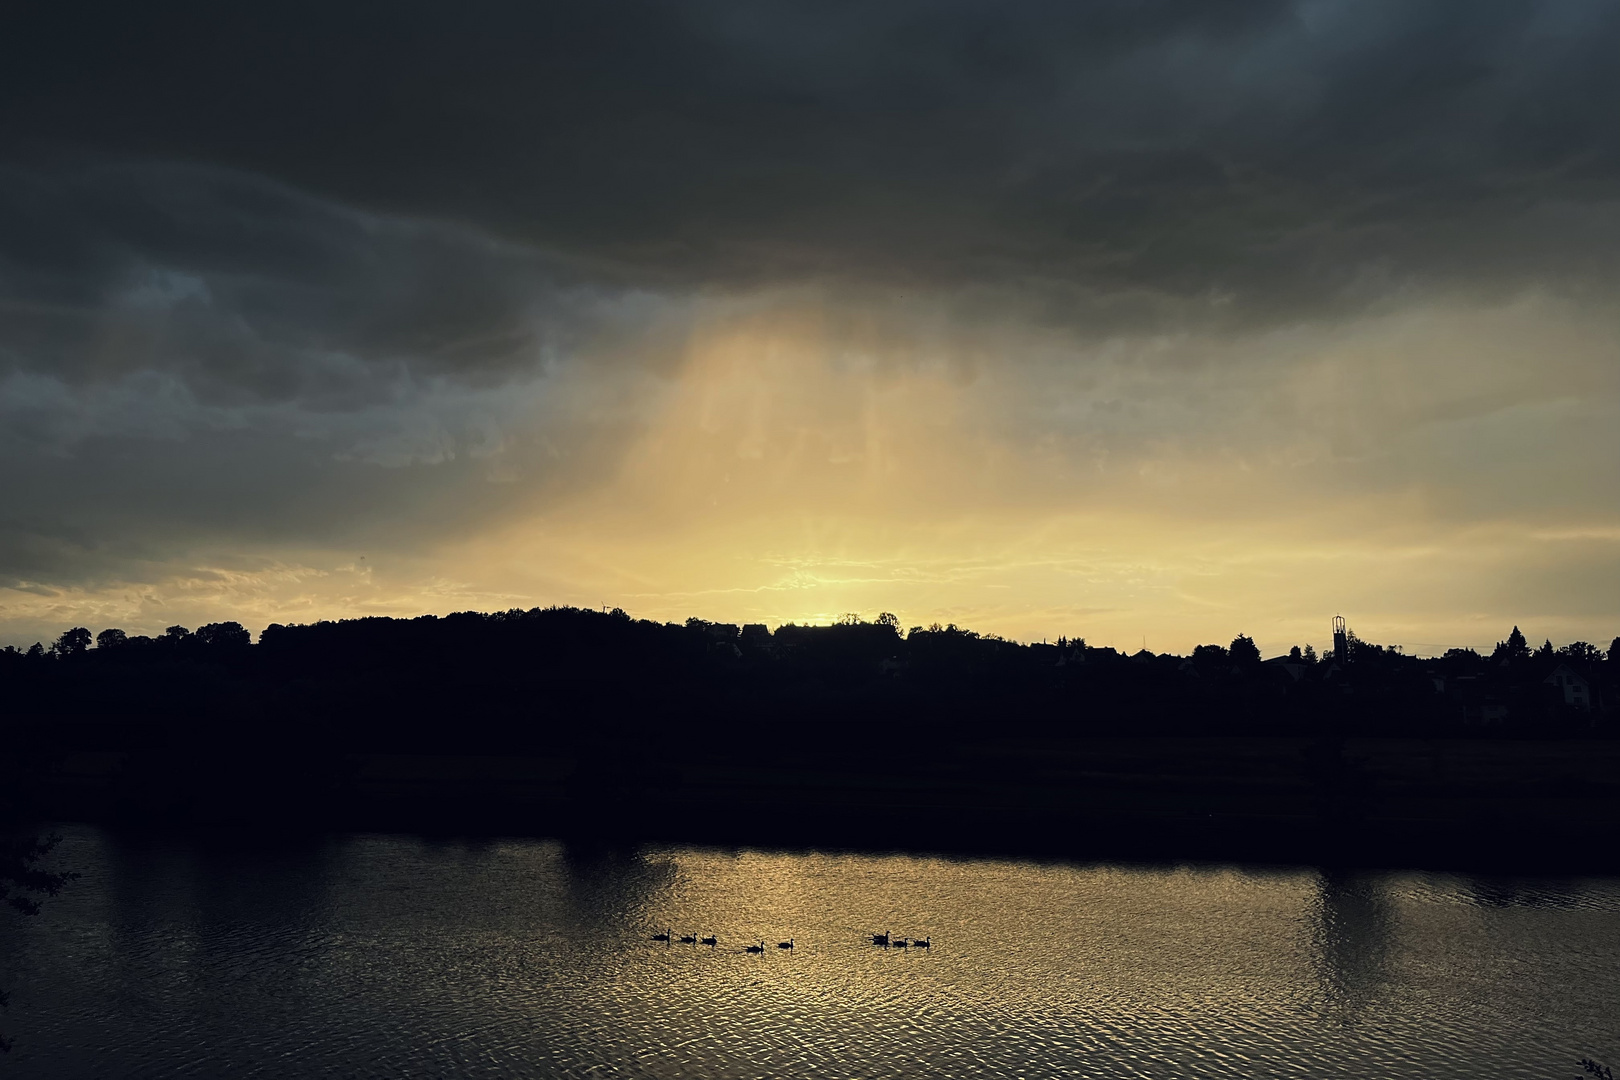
{"x":884,"y":940}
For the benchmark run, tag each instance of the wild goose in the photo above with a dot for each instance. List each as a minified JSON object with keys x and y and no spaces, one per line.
{"x":755,"y":948}
{"x":661,"y":937}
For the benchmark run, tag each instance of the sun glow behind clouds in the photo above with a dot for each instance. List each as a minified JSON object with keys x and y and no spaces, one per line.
{"x":797,"y":468}
{"x":1428,"y":470}
{"x":1160,"y":319}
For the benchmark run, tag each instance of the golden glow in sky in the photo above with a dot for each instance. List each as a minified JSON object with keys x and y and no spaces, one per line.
{"x":1140,"y":322}
{"x":1425,"y":470}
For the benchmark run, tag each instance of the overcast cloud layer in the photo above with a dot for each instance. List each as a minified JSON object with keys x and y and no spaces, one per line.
{"x":1118,"y":319}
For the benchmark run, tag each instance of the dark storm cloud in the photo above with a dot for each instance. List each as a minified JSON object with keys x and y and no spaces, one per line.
{"x":282,"y":282}
{"x":192,"y":356}
{"x":1282,"y":158}
{"x":246,"y":287}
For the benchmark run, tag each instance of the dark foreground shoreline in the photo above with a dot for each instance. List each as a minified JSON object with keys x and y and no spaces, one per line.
{"x":1517,"y":806}
{"x":599,"y":728}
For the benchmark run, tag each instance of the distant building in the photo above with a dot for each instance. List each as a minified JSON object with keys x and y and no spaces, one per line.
{"x":1294,"y":669}
{"x":1481,"y":707}
{"x":1577,"y":691}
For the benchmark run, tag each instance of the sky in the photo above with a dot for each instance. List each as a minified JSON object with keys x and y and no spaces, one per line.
{"x":1151,"y":323}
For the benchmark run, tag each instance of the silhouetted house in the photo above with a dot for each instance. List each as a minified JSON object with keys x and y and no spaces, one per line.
{"x":756,"y":636}
{"x":1477,"y":700}
{"x":1287,"y":665}
{"x":1074,"y":655}
{"x":1577,"y":691}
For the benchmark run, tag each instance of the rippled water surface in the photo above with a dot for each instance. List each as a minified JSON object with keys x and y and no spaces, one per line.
{"x":390,"y":956}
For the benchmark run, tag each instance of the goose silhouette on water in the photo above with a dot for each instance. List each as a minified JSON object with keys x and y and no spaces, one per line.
{"x":688,"y":939}
{"x":902,"y":943}
{"x":788,"y":944}
{"x":755,"y":948}
{"x":710,"y":940}
{"x":661,"y":937}
{"x":921,"y":943}
{"x":881,"y":939}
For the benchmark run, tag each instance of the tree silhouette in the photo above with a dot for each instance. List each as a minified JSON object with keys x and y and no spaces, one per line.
{"x":1243,"y":651}
{"x":22,"y":880}
{"x":224,"y":634}
{"x":1581,"y":653}
{"x":1514,"y":648}
{"x":111,"y":638}
{"x":72,"y":643}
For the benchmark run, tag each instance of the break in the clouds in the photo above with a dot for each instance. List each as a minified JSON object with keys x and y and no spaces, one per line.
{"x":1117,"y":319}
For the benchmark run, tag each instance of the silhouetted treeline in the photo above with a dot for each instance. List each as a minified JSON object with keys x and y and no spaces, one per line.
{"x":565,"y":677}
{"x":580,"y":723}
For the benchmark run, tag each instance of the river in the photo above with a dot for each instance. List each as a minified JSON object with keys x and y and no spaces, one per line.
{"x":391,"y":956}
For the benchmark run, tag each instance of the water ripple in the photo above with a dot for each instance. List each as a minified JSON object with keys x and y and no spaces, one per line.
{"x":388,"y":956}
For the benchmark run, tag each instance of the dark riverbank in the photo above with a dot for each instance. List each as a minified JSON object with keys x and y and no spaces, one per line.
{"x":595,"y":726}
{"x":1509,"y":805}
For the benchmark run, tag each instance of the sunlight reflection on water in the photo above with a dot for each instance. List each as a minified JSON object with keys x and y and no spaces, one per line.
{"x":393,"y":956}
